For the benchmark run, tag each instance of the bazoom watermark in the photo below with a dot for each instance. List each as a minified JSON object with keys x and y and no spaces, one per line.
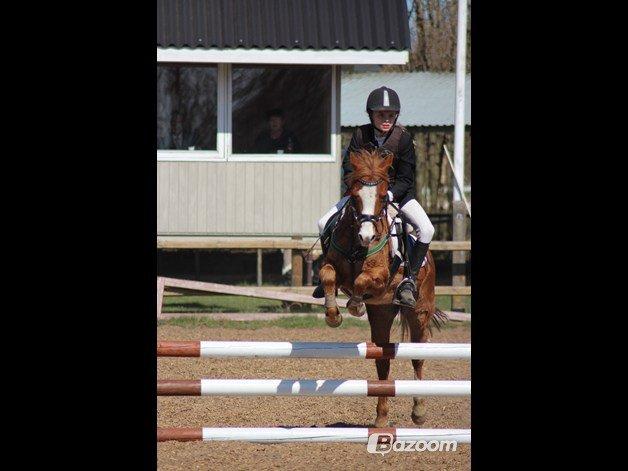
{"x":384,"y":442}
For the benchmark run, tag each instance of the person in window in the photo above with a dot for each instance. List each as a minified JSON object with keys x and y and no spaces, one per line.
{"x":383,"y":106}
{"x":276,"y":139}
{"x":182,"y":140}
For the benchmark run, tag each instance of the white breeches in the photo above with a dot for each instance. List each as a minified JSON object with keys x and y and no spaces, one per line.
{"x":334,"y":209}
{"x":417,"y":217}
{"x":412,"y":210}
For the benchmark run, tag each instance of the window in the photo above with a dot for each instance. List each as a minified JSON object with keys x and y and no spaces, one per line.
{"x":246,"y":112}
{"x":187,"y":108}
{"x":281,"y":109}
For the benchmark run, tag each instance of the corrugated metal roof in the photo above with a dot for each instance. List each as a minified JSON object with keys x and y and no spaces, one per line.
{"x":292,"y":24}
{"x":427,"y":98}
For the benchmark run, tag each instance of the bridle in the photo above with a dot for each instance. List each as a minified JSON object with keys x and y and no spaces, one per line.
{"x":362,"y":218}
{"x":358,"y":253}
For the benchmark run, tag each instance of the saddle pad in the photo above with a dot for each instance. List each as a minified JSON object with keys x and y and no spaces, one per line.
{"x":392,"y":246}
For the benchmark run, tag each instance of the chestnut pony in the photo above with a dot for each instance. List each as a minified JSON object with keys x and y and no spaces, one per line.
{"x":358,"y":263}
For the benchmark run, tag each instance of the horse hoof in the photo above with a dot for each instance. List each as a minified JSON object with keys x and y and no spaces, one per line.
{"x":418,"y":419}
{"x":358,"y":311}
{"x":381,"y":422}
{"x":334,"y":321}
{"x":419,"y":414}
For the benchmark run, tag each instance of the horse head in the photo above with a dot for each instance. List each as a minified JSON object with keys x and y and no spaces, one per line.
{"x":368,"y":187}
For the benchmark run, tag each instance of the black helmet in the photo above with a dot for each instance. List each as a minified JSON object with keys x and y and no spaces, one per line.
{"x":383,"y":98}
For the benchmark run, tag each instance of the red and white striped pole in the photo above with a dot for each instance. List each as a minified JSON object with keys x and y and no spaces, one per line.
{"x":368,"y":350}
{"x":311,"y":387}
{"x":309,"y":434}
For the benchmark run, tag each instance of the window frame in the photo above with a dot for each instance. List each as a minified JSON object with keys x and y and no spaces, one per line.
{"x":224,"y":123}
{"x":326,"y":157}
{"x":167,"y":155}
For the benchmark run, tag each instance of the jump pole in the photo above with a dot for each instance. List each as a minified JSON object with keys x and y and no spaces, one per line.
{"x":311,"y":387}
{"x":309,"y":434}
{"x":368,"y":350}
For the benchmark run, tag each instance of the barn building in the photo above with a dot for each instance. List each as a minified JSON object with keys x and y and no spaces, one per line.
{"x":229,"y":70}
{"x":222,"y":67}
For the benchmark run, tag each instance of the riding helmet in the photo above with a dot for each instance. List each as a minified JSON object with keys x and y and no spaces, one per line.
{"x":383,"y":98}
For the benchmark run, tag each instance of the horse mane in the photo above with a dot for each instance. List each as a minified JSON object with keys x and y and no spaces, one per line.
{"x":369,"y":167}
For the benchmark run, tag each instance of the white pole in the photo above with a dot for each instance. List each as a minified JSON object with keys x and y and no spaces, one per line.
{"x":329,"y":387}
{"x":456,"y":182}
{"x":315,"y":434}
{"x":426,"y":351}
{"x":324,"y":434}
{"x":461,"y":65}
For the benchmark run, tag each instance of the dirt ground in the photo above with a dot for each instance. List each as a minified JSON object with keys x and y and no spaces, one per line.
{"x":443,"y":412}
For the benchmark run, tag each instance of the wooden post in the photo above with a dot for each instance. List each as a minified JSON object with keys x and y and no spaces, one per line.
{"x":297,"y":268}
{"x":160,"y":294}
{"x":297,"y":265}
{"x":309,"y":273}
{"x":458,"y":257}
{"x":259,"y":267}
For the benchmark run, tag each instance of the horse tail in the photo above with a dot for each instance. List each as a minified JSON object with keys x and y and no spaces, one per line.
{"x":438,"y":319}
{"x":405,"y":324}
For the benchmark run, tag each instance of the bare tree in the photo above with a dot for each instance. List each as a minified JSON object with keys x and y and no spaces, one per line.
{"x":433,"y":25}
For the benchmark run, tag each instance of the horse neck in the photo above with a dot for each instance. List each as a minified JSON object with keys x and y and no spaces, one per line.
{"x":346,"y":233}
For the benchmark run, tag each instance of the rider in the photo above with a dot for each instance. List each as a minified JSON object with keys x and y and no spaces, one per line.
{"x":383,"y":108}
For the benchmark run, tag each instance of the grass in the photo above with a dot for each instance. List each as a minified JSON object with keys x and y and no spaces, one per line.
{"x":444,"y":303}
{"x":227,"y":303}
{"x":291,"y":322}
{"x":232,"y":303}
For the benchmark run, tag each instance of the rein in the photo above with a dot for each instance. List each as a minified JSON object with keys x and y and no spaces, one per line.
{"x":359,"y":253}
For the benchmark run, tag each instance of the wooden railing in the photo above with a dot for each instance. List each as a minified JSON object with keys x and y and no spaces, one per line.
{"x":194,"y":242}
{"x":299,"y":246}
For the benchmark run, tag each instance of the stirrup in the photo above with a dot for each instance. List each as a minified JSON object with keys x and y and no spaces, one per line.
{"x":403,"y":286}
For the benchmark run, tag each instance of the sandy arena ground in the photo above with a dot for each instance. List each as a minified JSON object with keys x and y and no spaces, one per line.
{"x":443,"y":412}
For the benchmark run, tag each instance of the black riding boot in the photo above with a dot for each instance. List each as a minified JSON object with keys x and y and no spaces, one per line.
{"x":319,"y":291}
{"x":406,"y":291}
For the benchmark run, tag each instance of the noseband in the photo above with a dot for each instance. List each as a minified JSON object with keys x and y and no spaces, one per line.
{"x":359,"y":253}
{"x":361,"y":218}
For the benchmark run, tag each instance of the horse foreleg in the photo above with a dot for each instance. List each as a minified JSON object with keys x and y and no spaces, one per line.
{"x":327,"y":275}
{"x":372,"y":282}
{"x":418,"y":333}
{"x":355,"y":306}
{"x":381,"y":318}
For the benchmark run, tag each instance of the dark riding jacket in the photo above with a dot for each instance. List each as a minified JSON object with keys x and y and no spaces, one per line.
{"x":400,"y":143}
{"x":264,"y":144}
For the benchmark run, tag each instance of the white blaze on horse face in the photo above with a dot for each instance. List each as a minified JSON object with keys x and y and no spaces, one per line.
{"x":368,"y":196}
